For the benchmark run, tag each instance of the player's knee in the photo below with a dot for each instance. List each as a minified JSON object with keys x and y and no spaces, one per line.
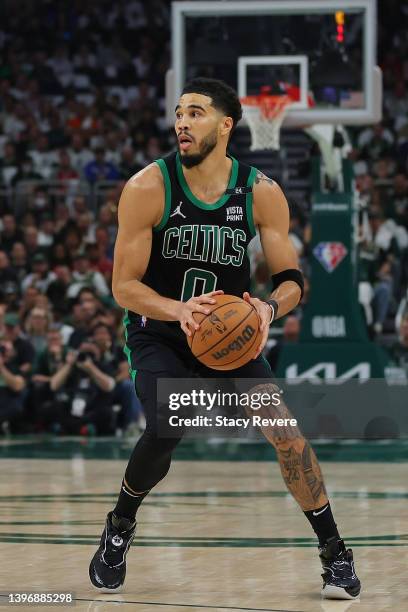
{"x":152,"y":439}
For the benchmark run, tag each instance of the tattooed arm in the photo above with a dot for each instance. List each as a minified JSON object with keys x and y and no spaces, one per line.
{"x":298,"y":463}
{"x":260,"y":176}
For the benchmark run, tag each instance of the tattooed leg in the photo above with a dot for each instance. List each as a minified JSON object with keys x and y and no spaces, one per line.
{"x":302,"y":474}
{"x":298,"y":462}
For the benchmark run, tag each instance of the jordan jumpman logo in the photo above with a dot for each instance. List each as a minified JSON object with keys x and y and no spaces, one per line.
{"x":177,"y":211}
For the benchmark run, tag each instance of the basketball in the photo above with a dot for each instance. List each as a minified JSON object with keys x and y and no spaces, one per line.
{"x":228,"y":337}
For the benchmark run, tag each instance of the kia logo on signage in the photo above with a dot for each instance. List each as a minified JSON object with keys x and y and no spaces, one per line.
{"x":330,"y":254}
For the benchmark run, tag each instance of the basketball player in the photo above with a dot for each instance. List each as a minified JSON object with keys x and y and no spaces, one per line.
{"x":185,"y":222}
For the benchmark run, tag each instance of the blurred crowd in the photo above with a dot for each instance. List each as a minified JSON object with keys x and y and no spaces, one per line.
{"x":380,"y":157}
{"x":82,"y":101}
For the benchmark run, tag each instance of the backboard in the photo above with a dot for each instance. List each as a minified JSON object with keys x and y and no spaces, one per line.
{"x":325,"y":48}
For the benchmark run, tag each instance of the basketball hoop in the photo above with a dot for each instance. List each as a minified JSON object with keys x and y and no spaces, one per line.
{"x":264,"y":115}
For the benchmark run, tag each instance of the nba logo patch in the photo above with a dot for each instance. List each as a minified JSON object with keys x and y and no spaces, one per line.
{"x":143,"y":321}
{"x":330,"y":254}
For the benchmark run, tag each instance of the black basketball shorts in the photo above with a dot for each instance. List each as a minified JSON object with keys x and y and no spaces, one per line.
{"x":154,"y":357}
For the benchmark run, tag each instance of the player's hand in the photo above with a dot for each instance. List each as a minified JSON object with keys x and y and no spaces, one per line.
{"x":195,"y":304}
{"x":264,"y":314}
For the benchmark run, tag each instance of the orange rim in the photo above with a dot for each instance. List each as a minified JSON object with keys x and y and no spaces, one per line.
{"x":270,"y":106}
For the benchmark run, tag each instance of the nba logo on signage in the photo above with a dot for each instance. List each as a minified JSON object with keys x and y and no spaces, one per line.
{"x":330,"y":254}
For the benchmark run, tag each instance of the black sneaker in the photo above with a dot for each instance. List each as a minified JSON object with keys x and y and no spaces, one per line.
{"x":107,"y":569}
{"x":339,"y":578}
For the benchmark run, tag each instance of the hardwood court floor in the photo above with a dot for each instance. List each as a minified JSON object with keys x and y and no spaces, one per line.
{"x":213,"y":536}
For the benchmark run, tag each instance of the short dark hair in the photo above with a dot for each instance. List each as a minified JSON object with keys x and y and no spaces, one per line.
{"x":223,"y":97}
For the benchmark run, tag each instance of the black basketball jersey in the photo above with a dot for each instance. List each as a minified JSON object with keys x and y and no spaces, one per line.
{"x":198,"y":247}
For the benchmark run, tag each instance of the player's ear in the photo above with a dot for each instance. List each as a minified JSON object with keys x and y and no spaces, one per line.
{"x":226,"y":125}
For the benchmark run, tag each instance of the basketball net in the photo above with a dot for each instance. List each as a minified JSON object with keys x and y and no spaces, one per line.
{"x":264,"y":115}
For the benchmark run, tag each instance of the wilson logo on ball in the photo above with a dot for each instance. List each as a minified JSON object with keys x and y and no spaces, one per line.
{"x":236,"y":344}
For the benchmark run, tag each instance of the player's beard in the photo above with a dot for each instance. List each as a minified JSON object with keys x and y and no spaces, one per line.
{"x":206,"y":146}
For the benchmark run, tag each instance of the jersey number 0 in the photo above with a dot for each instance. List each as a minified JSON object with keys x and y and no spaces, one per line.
{"x":196,"y":280}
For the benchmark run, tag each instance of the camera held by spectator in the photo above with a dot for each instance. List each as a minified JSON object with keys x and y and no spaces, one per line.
{"x":82,"y":392}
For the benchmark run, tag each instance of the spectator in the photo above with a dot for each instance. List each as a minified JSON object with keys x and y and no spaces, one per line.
{"x":262,"y":281}
{"x":399,"y":196}
{"x":31,"y":241}
{"x":62,"y":66}
{"x":28,"y":302}
{"x":9,"y":233}
{"x":36,"y":327}
{"x":18,"y":258}
{"x":387,"y":235}
{"x":41,"y":276}
{"x":46,"y":234}
{"x":151,"y":152}
{"x":43,"y":158}
{"x":86,"y":226}
{"x":112,"y":150}
{"x":23,"y":350}
{"x":79,"y":155}
{"x":83,"y":393}
{"x":396,"y":103}
{"x":7,"y":273}
{"x":84,"y":276}
{"x":375,"y":142}
{"x":399,"y":350}
{"x":143,"y":63}
{"x":61,"y":217}
{"x":27,"y":220}
{"x":57,"y":136}
{"x":86,"y":312}
{"x":72,"y":238}
{"x":11,"y":295}
{"x":99,"y":169}
{"x":79,"y":207}
{"x":64,"y":169}
{"x":291,"y":332}
{"x":99,"y":261}
{"x":12,"y":386}
{"x":14,"y":120}
{"x":59,"y":255}
{"x":128,"y":165}
{"x":85,"y":60}
{"x":382,"y":295}
{"x":26,"y":172}
{"x":9,"y":164}
{"x":58,"y":288}
{"x":49,"y":361}
{"x":114,"y":361}
{"x":107,"y":218}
